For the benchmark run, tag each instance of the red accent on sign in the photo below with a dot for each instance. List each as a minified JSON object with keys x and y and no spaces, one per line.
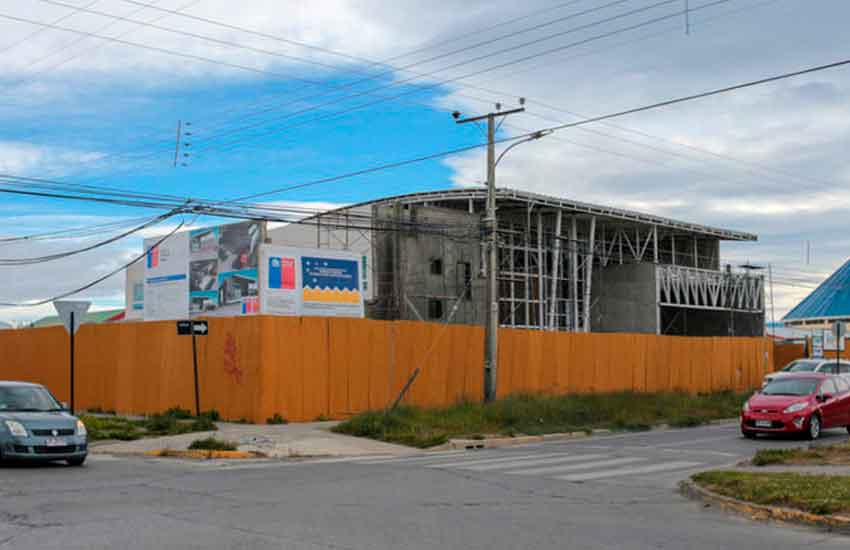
{"x":287,"y":273}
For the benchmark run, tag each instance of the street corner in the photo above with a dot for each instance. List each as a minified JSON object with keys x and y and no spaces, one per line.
{"x":834,"y":523}
{"x":198,"y":454}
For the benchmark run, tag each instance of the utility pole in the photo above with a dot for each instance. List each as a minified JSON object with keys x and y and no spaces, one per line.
{"x":772,"y":309}
{"x":490,"y":223}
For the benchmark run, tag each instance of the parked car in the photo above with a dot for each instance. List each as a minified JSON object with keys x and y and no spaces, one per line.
{"x":34,"y":426}
{"x":803,"y":403}
{"x":826,"y":366}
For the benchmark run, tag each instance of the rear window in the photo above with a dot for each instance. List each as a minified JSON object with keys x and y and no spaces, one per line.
{"x":802,"y":366}
{"x":799,"y":386}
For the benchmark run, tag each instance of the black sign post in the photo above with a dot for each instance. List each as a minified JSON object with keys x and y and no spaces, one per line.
{"x":73,"y":330}
{"x":194,"y":328}
{"x":72,"y":313}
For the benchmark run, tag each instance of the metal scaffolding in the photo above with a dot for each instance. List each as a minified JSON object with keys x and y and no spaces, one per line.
{"x":555,"y":259}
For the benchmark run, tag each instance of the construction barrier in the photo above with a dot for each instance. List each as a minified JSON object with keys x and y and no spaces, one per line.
{"x":784,"y":353}
{"x":307,"y":368}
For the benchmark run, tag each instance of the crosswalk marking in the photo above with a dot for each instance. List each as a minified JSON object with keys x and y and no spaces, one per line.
{"x":574,"y":467}
{"x":493,"y":460}
{"x":517,"y":463}
{"x":664,"y":466}
{"x":416,"y":458}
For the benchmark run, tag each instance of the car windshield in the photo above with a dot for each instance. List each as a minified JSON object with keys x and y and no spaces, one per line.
{"x":802,"y":366}
{"x":26,"y":399}
{"x":805,"y":386}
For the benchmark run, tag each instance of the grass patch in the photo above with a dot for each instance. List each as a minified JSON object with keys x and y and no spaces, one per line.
{"x":536,"y":415}
{"x":174,"y":421}
{"x":836,"y":455}
{"x":817,"y":494}
{"x":113,"y":427}
{"x":277,"y":419}
{"x":212,"y":444}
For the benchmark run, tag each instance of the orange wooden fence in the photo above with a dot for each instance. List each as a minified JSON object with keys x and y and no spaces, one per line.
{"x":305,"y":368}
{"x":784,"y":353}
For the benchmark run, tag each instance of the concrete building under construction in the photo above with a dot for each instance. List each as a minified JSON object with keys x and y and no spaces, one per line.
{"x":563,"y":265}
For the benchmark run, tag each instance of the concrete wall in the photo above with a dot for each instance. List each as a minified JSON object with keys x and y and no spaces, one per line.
{"x":623,"y":299}
{"x":406,"y":284}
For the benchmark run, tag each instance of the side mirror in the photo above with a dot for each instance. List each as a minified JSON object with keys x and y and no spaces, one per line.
{"x":824,"y":397}
{"x":65,"y":406}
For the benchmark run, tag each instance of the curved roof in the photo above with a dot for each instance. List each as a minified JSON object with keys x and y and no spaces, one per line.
{"x":830,"y":300}
{"x":503,"y":194}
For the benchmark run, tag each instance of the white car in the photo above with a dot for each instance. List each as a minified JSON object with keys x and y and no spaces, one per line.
{"x":823,"y":365}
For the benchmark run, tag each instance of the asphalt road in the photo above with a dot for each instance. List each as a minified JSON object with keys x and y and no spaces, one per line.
{"x":614,"y":491}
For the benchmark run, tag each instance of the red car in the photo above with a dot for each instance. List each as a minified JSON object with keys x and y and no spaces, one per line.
{"x":804,"y":403}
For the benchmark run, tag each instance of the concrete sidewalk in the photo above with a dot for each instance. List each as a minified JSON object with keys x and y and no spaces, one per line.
{"x":275,"y":441}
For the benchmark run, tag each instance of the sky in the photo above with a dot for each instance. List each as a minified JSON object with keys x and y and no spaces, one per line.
{"x":281,"y":92}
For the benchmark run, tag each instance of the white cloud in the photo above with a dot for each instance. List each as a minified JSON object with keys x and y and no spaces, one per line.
{"x":28,"y":159}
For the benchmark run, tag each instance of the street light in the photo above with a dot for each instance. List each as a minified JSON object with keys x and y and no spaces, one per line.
{"x":491,"y":327}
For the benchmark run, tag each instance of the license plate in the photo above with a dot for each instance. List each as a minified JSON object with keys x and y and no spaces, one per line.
{"x":55,"y":442}
{"x":763,"y":424}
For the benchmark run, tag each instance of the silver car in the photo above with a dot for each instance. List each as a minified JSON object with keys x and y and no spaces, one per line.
{"x":823,"y":365}
{"x":36,"y":427}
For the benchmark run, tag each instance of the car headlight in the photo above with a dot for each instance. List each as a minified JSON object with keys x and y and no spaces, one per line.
{"x":81,"y":428}
{"x":16,"y":428}
{"x":796,"y":407}
{"x":746,"y":407}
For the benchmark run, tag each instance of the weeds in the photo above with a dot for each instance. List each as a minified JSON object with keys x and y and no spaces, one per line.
{"x":277,"y":419}
{"x":818,"y":494}
{"x":174,"y":421}
{"x":535,"y":415}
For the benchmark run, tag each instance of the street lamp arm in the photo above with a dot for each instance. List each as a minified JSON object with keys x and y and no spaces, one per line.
{"x":536,"y":135}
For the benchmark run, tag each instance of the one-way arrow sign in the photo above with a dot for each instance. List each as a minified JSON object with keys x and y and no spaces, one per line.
{"x":186,"y":328}
{"x":193,"y":329}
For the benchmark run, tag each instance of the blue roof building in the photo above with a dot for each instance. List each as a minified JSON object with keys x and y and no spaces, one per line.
{"x":827,"y":303}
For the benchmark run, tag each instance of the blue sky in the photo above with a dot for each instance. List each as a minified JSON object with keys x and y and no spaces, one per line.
{"x":86,"y":110}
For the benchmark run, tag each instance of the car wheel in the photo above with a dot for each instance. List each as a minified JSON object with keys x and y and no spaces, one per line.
{"x":76,"y":461}
{"x":748,"y":434}
{"x":814,"y":427}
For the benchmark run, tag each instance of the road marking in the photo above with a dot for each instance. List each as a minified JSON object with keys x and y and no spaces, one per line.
{"x":574,"y":467}
{"x":502,"y":458}
{"x":692,"y":441}
{"x":540,"y":462}
{"x":666,"y":450}
{"x":331,"y":460}
{"x":434,"y":456}
{"x":664,"y":466}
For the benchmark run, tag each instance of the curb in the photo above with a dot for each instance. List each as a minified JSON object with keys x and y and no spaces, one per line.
{"x":204,"y":455}
{"x":496,"y":442}
{"x":833,"y":523}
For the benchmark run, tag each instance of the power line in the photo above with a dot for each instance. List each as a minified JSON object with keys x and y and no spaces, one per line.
{"x":33,"y":34}
{"x":6,"y":262}
{"x":65,"y":47}
{"x":71,"y":232}
{"x":96,"y":281}
{"x":438,"y":83}
{"x":198,"y":205}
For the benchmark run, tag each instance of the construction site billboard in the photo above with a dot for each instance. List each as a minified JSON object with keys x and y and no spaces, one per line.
{"x":310,"y":281}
